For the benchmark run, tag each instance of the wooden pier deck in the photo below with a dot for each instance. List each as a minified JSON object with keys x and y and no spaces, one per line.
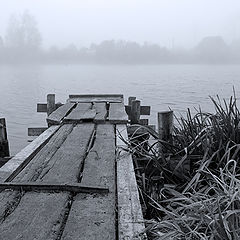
{"x":76,"y":180}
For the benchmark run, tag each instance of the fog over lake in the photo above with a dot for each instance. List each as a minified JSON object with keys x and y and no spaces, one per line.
{"x":166,"y":53}
{"x":160,"y":86}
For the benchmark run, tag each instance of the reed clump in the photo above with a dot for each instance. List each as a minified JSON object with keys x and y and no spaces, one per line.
{"x":190,"y":186}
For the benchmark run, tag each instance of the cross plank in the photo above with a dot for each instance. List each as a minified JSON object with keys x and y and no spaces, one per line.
{"x":82,"y":112}
{"x":57,"y":116}
{"x":38,"y":186}
{"x":96,"y":98}
{"x":40,"y":215}
{"x":117,"y":113}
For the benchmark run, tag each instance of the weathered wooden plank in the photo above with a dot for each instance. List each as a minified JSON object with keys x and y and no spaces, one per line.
{"x":57,"y":116}
{"x":41,"y":215}
{"x":93,"y":216}
{"x":4,"y":160}
{"x":37,"y":216}
{"x":96,"y":95}
{"x":87,"y":100}
{"x":66,"y":163}
{"x":41,"y":107}
{"x":17,"y":163}
{"x":39,"y":162}
{"x":96,"y":98}
{"x":101,"y":112}
{"x":82,"y":112}
{"x":117,"y":113}
{"x":36,"y":131}
{"x":144,"y":110}
{"x":38,"y":186}
{"x":130,"y":218}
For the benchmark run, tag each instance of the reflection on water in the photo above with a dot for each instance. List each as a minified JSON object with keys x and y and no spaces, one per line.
{"x":164,"y":86}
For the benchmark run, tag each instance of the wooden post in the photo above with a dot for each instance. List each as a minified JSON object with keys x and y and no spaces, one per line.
{"x":165,"y":125}
{"x":135,"y":112}
{"x":130,"y":99}
{"x":4,"y":147}
{"x":51,"y":106}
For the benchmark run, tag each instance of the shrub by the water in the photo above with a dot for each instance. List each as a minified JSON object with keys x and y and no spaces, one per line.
{"x":191,"y":189}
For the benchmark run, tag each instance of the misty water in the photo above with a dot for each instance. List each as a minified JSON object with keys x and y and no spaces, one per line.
{"x":161,"y":86}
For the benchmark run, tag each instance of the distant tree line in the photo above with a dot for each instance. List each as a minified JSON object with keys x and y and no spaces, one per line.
{"x":23,"y":44}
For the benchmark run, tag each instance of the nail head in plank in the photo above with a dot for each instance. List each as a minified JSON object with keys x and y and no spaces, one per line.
{"x":56,"y":116}
{"x":40,"y":186}
{"x":130,"y":218}
{"x":117,"y":113}
{"x":20,"y":160}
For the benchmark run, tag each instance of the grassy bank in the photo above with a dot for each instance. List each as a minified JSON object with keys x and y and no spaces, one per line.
{"x":190,"y":186}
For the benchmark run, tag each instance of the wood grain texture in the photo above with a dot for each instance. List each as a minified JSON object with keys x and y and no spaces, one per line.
{"x":40,"y":215}
{"x":59,"y":187}
{"x":93,"y":216}
{"x":96,"y":98}
{"x":82,"y":112}
{"x":51,"y":106}
{"x":39,"y":162}
{"x":41,"y":107}
{"x":65,"y":165}
{"x":117,"y":113}
{"x":130,"y":218}
{"x":36,"y":131}
{"x":144,"y":110}
{"x":37,"y":216}
{"x":20,"y":160}
{"x":101,"y":112}
{"x":57,"y":116}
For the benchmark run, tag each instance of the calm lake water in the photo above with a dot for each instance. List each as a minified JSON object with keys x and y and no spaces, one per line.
{"x":161,"y":86}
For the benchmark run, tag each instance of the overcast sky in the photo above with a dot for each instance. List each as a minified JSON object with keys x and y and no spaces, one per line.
{"x":166,"y":22}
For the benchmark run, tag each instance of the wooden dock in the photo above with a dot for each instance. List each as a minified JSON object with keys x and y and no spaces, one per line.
{"x":76,"y":180}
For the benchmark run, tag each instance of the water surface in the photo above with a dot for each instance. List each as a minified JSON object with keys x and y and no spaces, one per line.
{"x":161,"y":86}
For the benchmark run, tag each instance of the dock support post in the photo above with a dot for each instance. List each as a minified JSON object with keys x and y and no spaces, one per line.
{"x":135,"y":111}
{"x":165,"y":126}
{"x":130,"y":99}
{"x":4,"y":147}
{"x":51,"y":106}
